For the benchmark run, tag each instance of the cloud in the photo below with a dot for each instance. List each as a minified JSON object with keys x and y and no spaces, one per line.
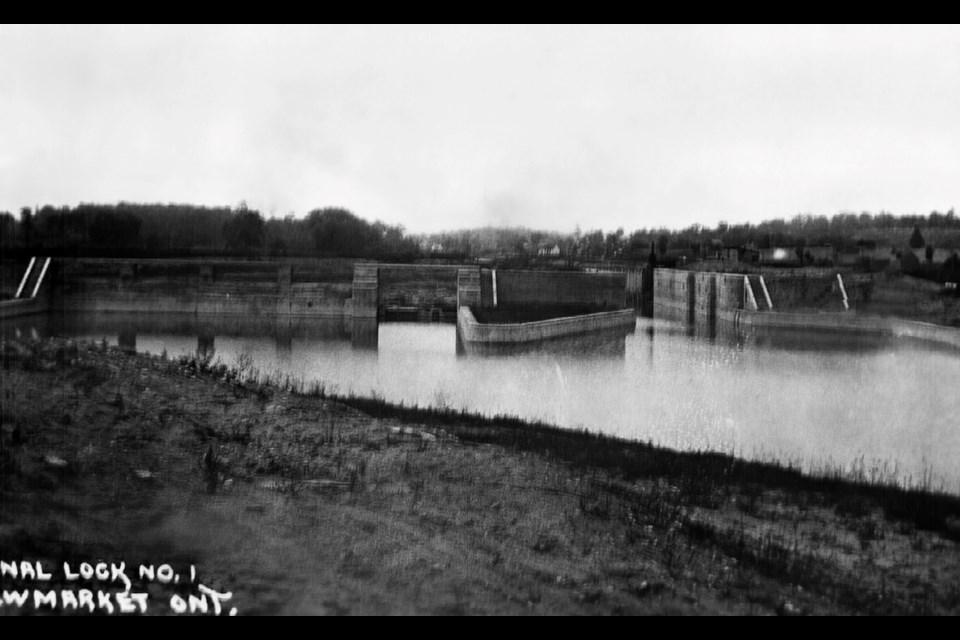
{"x":438,"y":127}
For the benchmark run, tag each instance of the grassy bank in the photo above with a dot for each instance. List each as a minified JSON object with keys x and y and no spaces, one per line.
{"x":299,"y":502}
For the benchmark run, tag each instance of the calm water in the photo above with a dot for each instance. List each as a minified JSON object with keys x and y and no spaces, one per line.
{"x":798,"y":398}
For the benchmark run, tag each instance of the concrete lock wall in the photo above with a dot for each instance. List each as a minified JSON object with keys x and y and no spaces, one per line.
{"x":731,"y":294}
{"x":846,"y":323}
{"x":23,"y":307}
{"x":366,"y":290}
{"x":203,"y":287}
{"x":478,"y":289}
{"x":468,"y":288}
{"x":639,"y":290}
{"x":814,"y":291}
{"x":803,"y":292}
{"x":470,"y":330}
{"x":37,"y":281}
{"x":421,"y":286}
{"x":486,"y":289}
{"x":561,"y":287}
{"x":673,"y":294}
{"x":705,"y":296}
{"x":699,"y":298}
{"x":314,"y":288}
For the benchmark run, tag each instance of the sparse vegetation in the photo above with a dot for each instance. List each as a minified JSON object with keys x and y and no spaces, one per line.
{"x":332,"y":503}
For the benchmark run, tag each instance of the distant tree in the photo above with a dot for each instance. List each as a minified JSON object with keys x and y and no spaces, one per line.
{"x":8,"y":227}
{"x":592,"y":244}
{"x":662,"y":243}
{"x":951,"y":268}
{"x":339,"y":232}
{"x":278,"y":247}
{"x":26,"y":226}
{"x":244,"y":231}
{"x":916,"y":240}
{"x":115,"y":229}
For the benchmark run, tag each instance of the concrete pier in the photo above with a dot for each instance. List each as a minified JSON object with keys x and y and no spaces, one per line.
{"x":600,"y":291}
{"x":365,"y":291}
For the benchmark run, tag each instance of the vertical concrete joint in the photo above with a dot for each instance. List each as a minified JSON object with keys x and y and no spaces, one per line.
{"x":366,"y":286}
{"x":468,"y":288}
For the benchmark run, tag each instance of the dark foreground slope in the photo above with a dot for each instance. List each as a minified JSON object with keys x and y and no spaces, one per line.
{"x":296,"y":503}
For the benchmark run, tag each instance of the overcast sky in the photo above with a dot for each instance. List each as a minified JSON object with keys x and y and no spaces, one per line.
{"x":448,"y":127}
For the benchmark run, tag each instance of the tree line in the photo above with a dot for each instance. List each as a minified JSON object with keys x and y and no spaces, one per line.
{"x":175,"y":230}
{"x":844,"y":231}
{"x":172,"y":230}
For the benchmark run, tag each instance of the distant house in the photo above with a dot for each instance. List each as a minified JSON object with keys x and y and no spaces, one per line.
{"x":750,"y":254}
{"x":730,"y":254}
{"x":945,"y":260}
{"x":820,"y":254}
{"x":939,"y":255}
{"x":779,"y":256}
{"x":952,"y":267}
{"x":909,"y":263}
{"x":681,"y":256}
{"x":848,"y":258}
{"x":876,"y":251}
{"x":546,"y":250}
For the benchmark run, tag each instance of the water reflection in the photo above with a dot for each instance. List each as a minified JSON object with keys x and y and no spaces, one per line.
{"x":365,"y":333}
{"x":728,"y":332}
{"x":814,"y":398}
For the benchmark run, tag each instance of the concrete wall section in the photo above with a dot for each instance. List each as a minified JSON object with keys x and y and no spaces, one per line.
{"x":469,"y":330}
{"x":561,"y":287}
{"x":697,"y":298}
{"x":705,"y":296}
{"x":730,"y":292}
{"x":468,"y":287}
{"x":926,"y":332}
{"x":191,"y":287}
{"x":847,"y":323}
{"x":23,"y":307}
{"x":486,"y":289}
{"x":822,"y":321}
{"x":701,"y":299}
{"x":365,"y":291}
{"x":639,"y":290}
{"x":673,"y":294}
{"x":421,"y":286}
{"x":319,"y":300}
{"x":816,"y":292}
